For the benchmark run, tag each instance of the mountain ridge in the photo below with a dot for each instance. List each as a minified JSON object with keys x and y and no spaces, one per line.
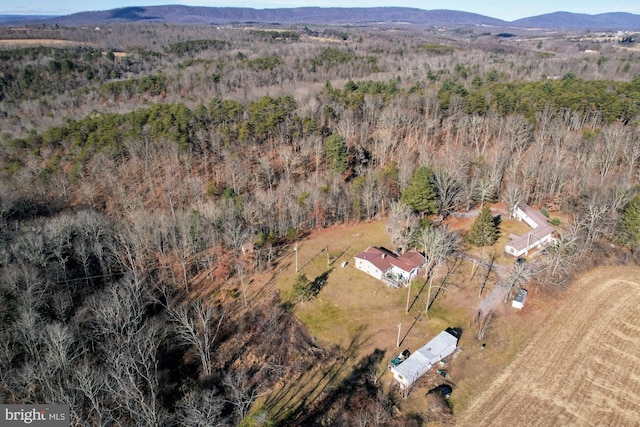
{"x":202,"y":15}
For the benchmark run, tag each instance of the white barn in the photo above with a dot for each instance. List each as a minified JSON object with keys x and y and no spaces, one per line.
{"x":541,"y":233}
{"x":419,"y":363}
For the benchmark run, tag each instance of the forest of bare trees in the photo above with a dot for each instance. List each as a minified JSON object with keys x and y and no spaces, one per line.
{"x":149,"y":162}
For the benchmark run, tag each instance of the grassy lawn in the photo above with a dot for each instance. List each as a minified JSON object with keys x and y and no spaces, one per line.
{"x":353,"y":301}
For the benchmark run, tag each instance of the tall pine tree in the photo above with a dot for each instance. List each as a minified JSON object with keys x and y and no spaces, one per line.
{"x":420,"y":194}
{"x":484,"y":231}
{"x":629,"y":226}
{"x":336,"y":152}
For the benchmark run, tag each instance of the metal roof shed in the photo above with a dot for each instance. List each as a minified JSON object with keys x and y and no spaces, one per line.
{"x":518,"y":301}
{"x":416,"y":365}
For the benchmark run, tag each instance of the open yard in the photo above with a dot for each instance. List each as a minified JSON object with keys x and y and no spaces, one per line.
{"x":363,"y":316}
{"x":571,"y":358}
{"x":581,"y":368}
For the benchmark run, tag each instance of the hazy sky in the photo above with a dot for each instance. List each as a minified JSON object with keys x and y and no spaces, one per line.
{"x":502,"y":9}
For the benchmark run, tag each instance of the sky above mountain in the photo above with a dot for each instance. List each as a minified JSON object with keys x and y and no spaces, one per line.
{"x":501,"y":9}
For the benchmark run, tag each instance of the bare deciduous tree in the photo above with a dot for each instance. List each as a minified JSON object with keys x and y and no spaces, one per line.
{"x":59,"y":340}
{"x":400,"y":223}
{"x":438,"y":245}
{"x":133,"y":381}
{"x":240,"y":392}
{"x":483,"y":322}
{"x":512,"y":196}
{"x":557,"y":264}
{"x":91,"y":382}
{"x":202,"y":408}
{"x":519,"y":275}
{"x":484,"y":190}
{"x":198,"y":326}
{"x":449,"y":191}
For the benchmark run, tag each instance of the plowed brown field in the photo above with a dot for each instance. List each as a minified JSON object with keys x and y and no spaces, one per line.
{"x":581,"y":369}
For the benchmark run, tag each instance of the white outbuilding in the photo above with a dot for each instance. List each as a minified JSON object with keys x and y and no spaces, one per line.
{"x":415,"y":366}
{"x":520,"y":298}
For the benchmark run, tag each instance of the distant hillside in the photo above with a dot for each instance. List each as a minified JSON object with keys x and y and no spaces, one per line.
{"x":24,"y":18}
{"x":302,"y":15}
{"x":604,"y":21}
{"x":337,"y":16}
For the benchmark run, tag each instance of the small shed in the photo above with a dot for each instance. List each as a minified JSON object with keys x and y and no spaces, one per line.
{"x":520,"y":298}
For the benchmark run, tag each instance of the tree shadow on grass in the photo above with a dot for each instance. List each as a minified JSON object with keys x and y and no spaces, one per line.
{"x":456,"y":263}
{"x":342,"y":394}
{"x":337,"y":257}
{"x":415,"y":299}
{"x":291,"y":401}
{"x":411,"y":327}
{"x":320,"y":282}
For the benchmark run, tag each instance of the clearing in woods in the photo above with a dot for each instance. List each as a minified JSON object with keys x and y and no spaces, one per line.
{"x":14,"y":43}
{"x":583,"y":365}
{"x":362,"y":315}
{"x":571,"y":358}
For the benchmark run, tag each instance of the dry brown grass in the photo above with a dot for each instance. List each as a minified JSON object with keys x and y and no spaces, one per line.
{"x":581,"y":368}
{"x":20,"y":43}
{"x":17,"y":43}
{"x":360,"y":314}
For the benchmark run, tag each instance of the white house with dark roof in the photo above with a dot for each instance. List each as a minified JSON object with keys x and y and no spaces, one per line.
{"x":385,"y":265}
{"x":540,"y":235}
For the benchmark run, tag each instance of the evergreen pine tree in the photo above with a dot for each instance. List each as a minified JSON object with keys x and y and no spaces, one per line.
{"x":336,"y":152}
{"x":484,"y":231}
{"x":629,"y":226}
{"x":302,"y":288}
{"x":420,"y":194}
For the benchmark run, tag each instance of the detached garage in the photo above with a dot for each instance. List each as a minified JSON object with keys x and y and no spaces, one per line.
{"x":419,"y":363}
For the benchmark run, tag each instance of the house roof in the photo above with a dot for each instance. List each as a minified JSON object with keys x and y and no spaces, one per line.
{"x":535,"y":215}
{"x":411,"y":259}
{"x":521,"y":242}
{"x":422,"y":359}
{"x":540,"y":229}
{"x":521,"y":296}
{"x":384,"y":259}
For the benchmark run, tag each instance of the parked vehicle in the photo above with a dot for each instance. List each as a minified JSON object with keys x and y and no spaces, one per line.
{"x":400,"y":358}
{"x":445,"y":389}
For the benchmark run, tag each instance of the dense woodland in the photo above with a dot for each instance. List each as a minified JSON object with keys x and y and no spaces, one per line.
{"x":147,"y":172}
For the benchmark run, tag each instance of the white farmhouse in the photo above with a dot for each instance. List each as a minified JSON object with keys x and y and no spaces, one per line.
{"x":541,"y":233}
{"x":392,"y":269}
{"x":419,"y":363}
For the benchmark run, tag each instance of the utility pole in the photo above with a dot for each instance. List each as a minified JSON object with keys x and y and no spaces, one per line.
{"x":398,"y":339}
{"x":295,"y":249}
{"x":408,"y":294}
